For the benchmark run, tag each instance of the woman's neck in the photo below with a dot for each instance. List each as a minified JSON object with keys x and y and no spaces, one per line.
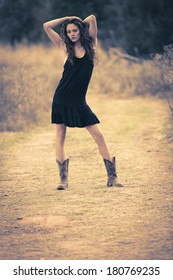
{"x":78,"y":45}
{"x":79,"y":51}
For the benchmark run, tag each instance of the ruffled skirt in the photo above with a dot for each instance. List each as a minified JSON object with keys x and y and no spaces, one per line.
{"x":73,"y":116}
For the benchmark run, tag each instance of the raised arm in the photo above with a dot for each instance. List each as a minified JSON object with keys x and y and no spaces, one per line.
{"x":53,"y":35}
{"x":91,"y":20}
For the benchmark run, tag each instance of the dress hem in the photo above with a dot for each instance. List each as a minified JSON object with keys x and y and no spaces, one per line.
{"x":73,"y":116}
{"x":77,"y":126}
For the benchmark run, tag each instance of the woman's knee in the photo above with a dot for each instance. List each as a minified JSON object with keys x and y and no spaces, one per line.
{"x":96,"y":134}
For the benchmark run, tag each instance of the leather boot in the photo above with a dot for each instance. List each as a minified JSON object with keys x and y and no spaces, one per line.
{"x":111,"y":172}
{"x":63,"y":172}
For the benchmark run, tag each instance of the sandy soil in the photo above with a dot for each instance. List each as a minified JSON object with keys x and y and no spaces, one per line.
{"x":89,"y":220}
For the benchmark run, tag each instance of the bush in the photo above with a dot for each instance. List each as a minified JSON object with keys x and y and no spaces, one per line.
{"x":164,"y":62}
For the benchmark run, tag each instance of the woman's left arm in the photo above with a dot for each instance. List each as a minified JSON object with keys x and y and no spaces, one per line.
{"x":91,"y":20}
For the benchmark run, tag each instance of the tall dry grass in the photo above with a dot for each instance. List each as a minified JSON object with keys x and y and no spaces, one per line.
{"x":29,"y":75}
{"x":27,"y":81}
{"x":165,"y":63}
{"x":122,"y":76}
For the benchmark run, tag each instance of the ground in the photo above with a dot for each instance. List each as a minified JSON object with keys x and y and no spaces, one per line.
{"x":89,"y":220}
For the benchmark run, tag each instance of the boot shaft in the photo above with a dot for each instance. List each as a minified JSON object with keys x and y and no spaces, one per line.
{"x":110,"y":167}
{"x":63,"y":169}
{"x":111,"y":172}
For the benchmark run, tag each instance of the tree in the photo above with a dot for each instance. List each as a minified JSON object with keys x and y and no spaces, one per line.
{"x":144,"y":26}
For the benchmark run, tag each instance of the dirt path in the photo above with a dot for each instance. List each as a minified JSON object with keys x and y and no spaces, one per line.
{"x":89,"y":220}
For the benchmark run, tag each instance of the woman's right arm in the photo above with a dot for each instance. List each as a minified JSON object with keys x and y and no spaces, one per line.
{"x":54,"y":36}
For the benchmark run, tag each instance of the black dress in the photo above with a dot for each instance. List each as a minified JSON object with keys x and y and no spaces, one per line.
{"x":69,"y":105}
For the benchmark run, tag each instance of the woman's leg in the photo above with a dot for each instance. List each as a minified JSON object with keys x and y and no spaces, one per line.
{"x":109,"y":162}
{"x":60,"y":141}
{"x":97,"y":135}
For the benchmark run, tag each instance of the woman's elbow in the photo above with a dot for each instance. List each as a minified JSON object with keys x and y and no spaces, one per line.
{"x":93,"y":17}
{"x":45,"y":25}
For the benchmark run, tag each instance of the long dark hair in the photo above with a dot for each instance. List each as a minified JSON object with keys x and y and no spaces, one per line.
{"x":85,"y":39}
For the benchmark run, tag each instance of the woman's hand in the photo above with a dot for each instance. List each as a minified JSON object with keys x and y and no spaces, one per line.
{"x":74,"y":17}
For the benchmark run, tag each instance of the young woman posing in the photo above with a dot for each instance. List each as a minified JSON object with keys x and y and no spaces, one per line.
{"x":78,"y":41}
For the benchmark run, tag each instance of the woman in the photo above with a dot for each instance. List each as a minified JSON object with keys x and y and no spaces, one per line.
{"x":69,"y":108}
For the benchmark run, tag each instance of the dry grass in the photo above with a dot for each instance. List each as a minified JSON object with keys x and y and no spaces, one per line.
{"x":29,"y":75}
{"x":125,"y":78}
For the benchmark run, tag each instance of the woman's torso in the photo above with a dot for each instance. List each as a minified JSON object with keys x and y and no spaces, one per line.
{"x":73,"y":85}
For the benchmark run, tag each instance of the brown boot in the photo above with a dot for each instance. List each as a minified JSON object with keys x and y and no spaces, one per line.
{"x":111,"y":171}
{"x":63,"y":172}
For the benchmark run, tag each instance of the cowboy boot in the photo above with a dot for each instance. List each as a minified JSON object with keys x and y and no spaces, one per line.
{"x":63,"y":172}
{"x":111,"y":172}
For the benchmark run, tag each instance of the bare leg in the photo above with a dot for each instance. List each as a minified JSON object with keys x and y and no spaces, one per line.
{"x":60,"y":140}
{"x":110,"y":165}
{"x":97,"y":135}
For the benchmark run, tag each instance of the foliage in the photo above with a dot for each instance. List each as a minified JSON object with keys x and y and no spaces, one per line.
{"x":164,"y":62}
{"x":138,"y":27}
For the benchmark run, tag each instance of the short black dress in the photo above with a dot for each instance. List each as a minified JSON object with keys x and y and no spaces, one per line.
{"x":69,"y":106}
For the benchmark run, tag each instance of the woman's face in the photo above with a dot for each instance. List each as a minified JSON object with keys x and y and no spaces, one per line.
{"x":73,"y":32}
